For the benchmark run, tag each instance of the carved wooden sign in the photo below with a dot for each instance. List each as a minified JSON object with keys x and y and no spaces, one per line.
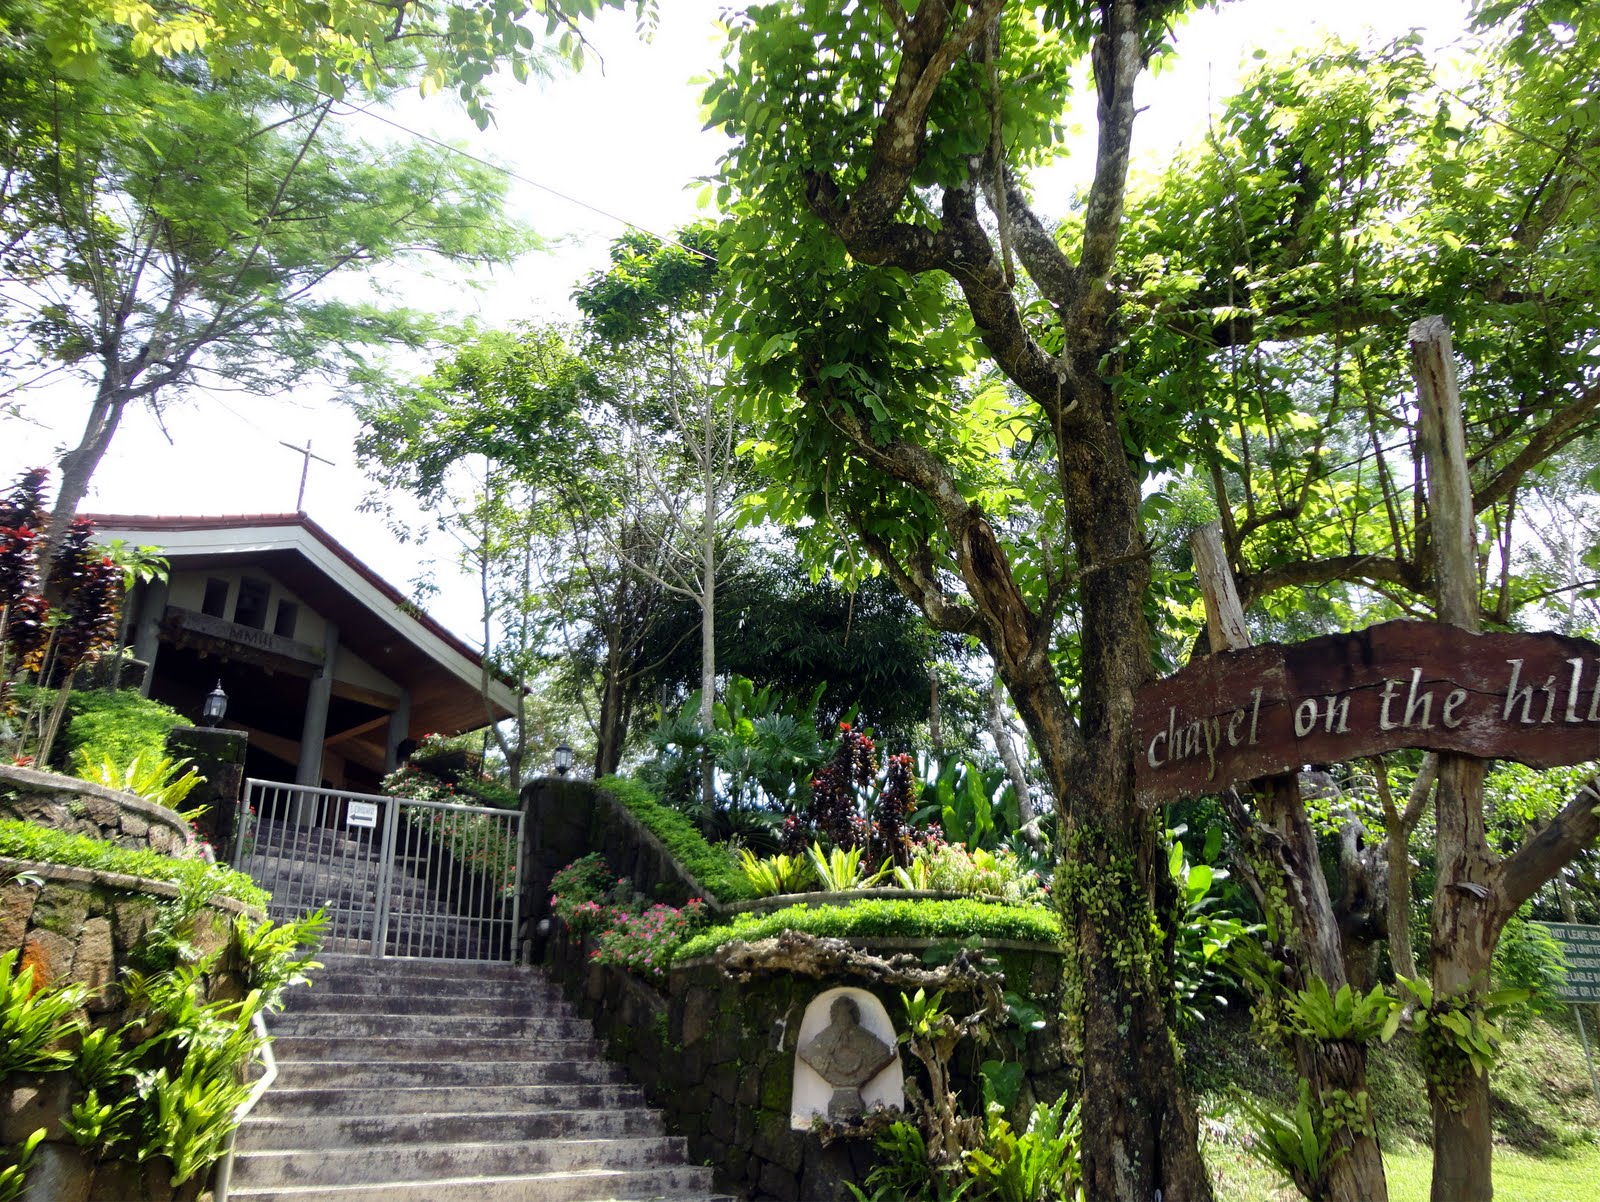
{"x":1238,"y":715}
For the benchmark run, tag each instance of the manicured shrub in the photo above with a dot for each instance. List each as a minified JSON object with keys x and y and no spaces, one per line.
{"x":887,"y":918}
{"x":715,"y":868}
{"x":116,"y":727}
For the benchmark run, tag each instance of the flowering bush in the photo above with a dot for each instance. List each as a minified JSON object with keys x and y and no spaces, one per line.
{"x":588,"y":899}
{"x":645,"y":943}
{"x":581,"y":894}
{"x":479,"y":842}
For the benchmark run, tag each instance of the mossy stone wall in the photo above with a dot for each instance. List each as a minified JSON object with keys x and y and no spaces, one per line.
{"x":717,"y":1056}
{"x":80,"y":807}
{"x":78,"y":925}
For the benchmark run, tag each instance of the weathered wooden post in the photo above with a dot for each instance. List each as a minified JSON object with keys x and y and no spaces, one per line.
{"x":1287,"y":849}
{"x":1466,"y":917}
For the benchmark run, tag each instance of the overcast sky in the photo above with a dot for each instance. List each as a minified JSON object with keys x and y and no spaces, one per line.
{"x":626,"y":141}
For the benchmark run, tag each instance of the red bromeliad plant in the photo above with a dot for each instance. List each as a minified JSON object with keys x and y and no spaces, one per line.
{"x":50,"y":639}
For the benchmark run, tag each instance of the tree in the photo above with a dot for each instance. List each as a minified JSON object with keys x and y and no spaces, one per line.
{"x":649,"y":311}
{"x":457,"y":43}
{"x":179,"y":228}
{"x":949,"y":385}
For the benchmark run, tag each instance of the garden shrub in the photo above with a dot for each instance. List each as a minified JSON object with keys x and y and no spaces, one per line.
{"x":169,"y":1081}
{"x":715,"y":868}
{"x":625,"y":934}
{"x":117,"y":727}
{"x":26,"y":841}
{"x":951,"y":868}
{"x":887,"y":918}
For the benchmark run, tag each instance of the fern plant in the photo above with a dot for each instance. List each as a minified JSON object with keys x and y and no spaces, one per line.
{"x":161,"y":780}
{"x":35,"y":1022}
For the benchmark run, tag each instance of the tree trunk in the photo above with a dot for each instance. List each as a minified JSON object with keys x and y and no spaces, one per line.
{"x":1466,"y":925}
{"x":1397,"y":849}
{"x":1467,"y":916}
{"x":708,"y":629}
{"x":1006,"y":749}
{"x":1282,"y":847}
{"x":608,"y":741}
{"x":1140,"y":1134}
{"x":78,"y":464}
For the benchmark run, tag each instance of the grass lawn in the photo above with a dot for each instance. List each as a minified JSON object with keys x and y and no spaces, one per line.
{"x":1518,"y":1177}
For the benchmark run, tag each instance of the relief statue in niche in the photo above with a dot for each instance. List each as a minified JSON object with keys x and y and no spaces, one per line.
{"x":847,"y":1057}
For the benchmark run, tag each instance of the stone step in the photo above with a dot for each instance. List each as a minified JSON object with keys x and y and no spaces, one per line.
{"x":430,"y":1025}
{"x":414,"y":1074}
{"x":431,"y":1161}
{"x":448,"y":1049}
{"x":279,"y":1102}
{"x":327,"y":1131}
{"x":682,"y":1184}
{"x":317,"y":1003}
{"x":401,"y":975}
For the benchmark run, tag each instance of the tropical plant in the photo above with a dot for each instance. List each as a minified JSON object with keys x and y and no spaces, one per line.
{"x":777,"y":873}
{"x":1295,"y":1142}
{"x":904,"y":1170}
{"x":840,"y":869}
{"x":13,"y":1174}
{"x":1203,"y":938}
{"x":161,"y":779}
{"x":953,"y":868}
{"x":1040,"y":1165}
{"x":646,"y":943}
{"x":35,"y":1022}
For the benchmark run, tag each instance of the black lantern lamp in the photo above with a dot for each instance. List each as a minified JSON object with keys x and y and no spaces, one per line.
{"x":563,"y":759}
{"x":215,"y":707}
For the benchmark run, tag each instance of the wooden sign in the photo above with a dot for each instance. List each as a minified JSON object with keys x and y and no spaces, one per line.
{"x":1238,"y":715}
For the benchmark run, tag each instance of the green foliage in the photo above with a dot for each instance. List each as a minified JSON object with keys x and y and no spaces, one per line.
{"x":884,"y":918}
{"x":13,"y":1174}
{"x":713,"y":868}
{"x":26,"y":841}
{"x":1461,"y":1034}
{"x":1001,"y":875}
{"x":1346,"y":1014}
{"x":161,"y":779}
{"x":1040,"y":1165}
{"x":170,"y":1080}
{"x":1204,"y":939}
{"x":840,"y":869}
{"x":117,"y":727}
{"x":34,"y":1022}
{"x":904,"y":1171}
{"x":1298,"y":1143}
{"x":777,"y":873}
{"x":1528,"y":957}
{"x":974,"y":807}
{"x":269,"y":953}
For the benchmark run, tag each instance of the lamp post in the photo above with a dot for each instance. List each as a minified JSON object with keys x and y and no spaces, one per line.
{"x":216,"y":705}
{"x":563,"y":759}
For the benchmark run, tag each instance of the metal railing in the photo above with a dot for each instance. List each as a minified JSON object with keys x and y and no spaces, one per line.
{"x":224,"y":1177}
{"x":395,"y":876}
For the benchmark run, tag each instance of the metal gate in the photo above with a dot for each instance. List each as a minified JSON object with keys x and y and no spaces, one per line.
{"x":396,"y":877}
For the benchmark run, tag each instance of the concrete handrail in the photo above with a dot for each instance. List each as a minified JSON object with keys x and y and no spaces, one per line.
{"x":219,"y":1191}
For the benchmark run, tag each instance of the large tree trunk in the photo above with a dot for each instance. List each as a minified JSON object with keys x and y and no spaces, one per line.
{"x":78,"y":465}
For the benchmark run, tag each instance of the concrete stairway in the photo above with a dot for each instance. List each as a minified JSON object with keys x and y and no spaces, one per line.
{"x":408,"y":1081}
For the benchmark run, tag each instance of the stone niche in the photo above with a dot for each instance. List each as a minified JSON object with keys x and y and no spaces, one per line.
{"x":847,"y":1035}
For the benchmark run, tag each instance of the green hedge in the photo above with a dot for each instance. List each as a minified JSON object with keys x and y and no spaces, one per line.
{"x":116,"y":727}
{"x":908,"y":919}
{"x":25,"y":841}
{"x":712,"y":867}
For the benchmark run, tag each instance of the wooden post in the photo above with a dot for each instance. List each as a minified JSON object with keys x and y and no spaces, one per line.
{"x":1290,"y":852}
{"x":1466,"y":923}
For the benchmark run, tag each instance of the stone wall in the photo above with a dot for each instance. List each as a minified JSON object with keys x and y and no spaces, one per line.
{"x":79,"y":925}
{"x":717,"y":1056}
{"x":565,"y":819}
{"x":82,"y":808}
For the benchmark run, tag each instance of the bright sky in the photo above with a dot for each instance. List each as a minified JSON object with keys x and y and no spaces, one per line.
{"x":627,"y":143}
